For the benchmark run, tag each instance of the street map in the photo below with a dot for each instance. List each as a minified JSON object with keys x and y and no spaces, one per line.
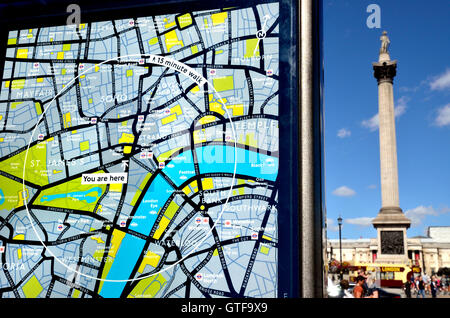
{"x":139,"y":157}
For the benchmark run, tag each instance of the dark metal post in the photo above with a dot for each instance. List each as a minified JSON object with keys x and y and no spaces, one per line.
{"x":340,"y":244}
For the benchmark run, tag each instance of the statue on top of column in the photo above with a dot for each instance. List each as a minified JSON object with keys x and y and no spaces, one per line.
{"x":384,"y":43}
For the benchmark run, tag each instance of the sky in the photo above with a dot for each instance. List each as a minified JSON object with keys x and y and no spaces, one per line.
{"x":420,"y":42}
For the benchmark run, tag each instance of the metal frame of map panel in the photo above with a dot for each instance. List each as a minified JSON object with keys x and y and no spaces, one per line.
{"x":301,"y":216}
{"x":312,"y":207}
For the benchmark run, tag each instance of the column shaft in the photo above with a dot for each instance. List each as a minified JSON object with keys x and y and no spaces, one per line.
{"x":388,"y":146}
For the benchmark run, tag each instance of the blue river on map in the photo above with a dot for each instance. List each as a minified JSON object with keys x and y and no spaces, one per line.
{"x":2,"y":197}
{"x":79,"y":195}
{"x":126,"y":257}
{"x":211,"y":159}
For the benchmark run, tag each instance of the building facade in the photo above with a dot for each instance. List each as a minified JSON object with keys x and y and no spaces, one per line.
{"x":429,"y":253}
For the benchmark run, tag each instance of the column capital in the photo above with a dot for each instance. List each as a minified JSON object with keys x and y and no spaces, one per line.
{"x":385,"y":71}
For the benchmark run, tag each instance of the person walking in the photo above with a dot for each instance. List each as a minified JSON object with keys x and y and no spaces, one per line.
{"x":420,"y":287}
{"x":358,"y":291}
{"x":407,"y":289}
{"x":426,"y":282}
{"x":444,"y":283}
{"x":433,"y":286}
{"x":344,"y":289}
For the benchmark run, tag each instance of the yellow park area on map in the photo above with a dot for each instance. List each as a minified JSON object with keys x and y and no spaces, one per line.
{"x":36,"y":164}
{"x":11,"y":194}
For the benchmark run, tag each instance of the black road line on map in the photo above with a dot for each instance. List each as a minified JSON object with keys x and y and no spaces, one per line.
{"x":5,"y":223}
{"x":87,"y":42}
{"x":184,"y":48}
{"x":225,"y":42}
{"x":205,"y":86}
{"x":234,"y":67}
{"x":79,"y":175}
{"x":41,"y":227}
{"x":79,"y":46}
{"x":67,"y":227}
{"x":260,"y":42}
{"x":268,"y":99}
{"x":108,"y":136}
{"x":184,"y":93}
{"x":77,"y":286}
{"x":251,"y":93}
{"x":157,"y":269}
{"x":99,"y":144}
{"x":68,"y":211}
{"x":235,"y":187}
{"x":25,"y":78}
{"x":187,"y":291}
{"x":134,"y":99}
{"x":273,"y":26}
{"x":58,"y":106}
{"x":230,"y":36}
{"x":20,"y":180}
{"x":35,"y":43}
{"x":191,"y":278}
{"x":129,"y":286}
{"x":8,"y":103}
{"x":272,"y":203}
{"x":61,"y":153}
{"x":139,"y":37}
{"x":50,"y":287}
{"x":223,"y":243}
{"x":105,"y":193}
{"x":213,"y":57}
{"x":122,"y":198}
{"x":161,"y":47}
{"x":176,"y":289}
{"x":8,"y":277}
{"x":117,"y":36}
{"x":199,"y":34}
{"x":223,"y":261}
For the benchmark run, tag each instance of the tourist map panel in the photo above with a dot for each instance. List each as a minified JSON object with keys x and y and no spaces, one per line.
{"x":139,"y":157}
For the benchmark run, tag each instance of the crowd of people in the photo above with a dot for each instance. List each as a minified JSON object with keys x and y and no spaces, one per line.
{"x":423,"y":284}
{"x":365,"y":287}
{"x":419,"y":286}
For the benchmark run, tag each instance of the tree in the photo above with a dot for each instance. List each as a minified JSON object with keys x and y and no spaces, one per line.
{"x":443,"y":271}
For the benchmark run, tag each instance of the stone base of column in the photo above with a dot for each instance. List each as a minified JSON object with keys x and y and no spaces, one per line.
{"x":391,"y":216}
{"x":391,"y":225}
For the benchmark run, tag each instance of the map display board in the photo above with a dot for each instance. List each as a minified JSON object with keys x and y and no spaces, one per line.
{"x":140,"y":157}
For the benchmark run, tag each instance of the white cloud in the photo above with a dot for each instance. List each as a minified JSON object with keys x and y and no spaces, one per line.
{"x":371,"y":123}
{"x":362,"y":221}
{"x":443,"y":117}
{"x":417,"y":215}
{"x":344,"y":192}
{"x":331,"y":226}
{"x":399,"y":109}
{"x":342,"y":133}
{"x":441,"y":82}
{"x":372,"y":186}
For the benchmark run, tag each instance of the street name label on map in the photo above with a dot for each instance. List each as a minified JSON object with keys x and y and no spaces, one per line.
{"x":177,"y":66}
{"x":104,"y":178}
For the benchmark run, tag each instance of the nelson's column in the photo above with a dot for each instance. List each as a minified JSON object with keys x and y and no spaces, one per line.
{"x":391,"y":224}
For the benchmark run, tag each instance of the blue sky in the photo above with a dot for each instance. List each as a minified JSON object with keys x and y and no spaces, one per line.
{"x":420,"y":41}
